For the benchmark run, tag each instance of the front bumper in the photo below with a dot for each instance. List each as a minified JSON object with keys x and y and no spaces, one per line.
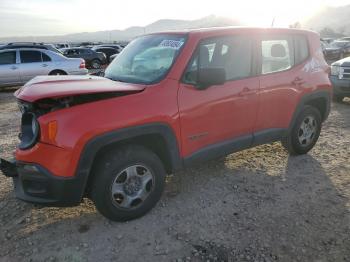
{"x":340,"y":86}
{"x":35,"y":184}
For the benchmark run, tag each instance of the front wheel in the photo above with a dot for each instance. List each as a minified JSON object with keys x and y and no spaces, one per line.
{"x":128,"y":183}
{"x":305,"y":132}
{"x":338,"y":98}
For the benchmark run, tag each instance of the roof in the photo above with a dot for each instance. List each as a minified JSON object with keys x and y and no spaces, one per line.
{"x":234,"y":29}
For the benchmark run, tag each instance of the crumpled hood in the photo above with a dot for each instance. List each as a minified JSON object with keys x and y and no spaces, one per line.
{"x":42,"y":87}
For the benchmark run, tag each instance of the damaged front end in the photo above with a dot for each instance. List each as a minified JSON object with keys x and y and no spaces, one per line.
{"x":32,"y":111}
{"x":47,"y":105}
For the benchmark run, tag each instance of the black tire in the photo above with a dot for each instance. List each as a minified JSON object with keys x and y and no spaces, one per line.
{"x":57,"y":73}
{"x":292,"y":142}
{"x":338,"y":98}
{"x":112,"y":166}
{"x":95,"y":64}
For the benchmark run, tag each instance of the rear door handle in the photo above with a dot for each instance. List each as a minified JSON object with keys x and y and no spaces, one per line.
{"x":14,"y":67}
{"x":298,"y":81}
{"x":246,"y":91}
{"x":44,"y":65}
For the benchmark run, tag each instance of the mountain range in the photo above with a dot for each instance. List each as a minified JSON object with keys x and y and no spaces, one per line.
{"x":131,"y":32}
{"x":333,"y":18}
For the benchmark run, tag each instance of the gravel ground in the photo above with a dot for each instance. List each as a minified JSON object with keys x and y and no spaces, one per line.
{"x":256,"y":205}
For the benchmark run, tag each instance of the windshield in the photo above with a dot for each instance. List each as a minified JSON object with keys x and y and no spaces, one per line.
{"x":147,"y":59}
{"x":339,"y":43}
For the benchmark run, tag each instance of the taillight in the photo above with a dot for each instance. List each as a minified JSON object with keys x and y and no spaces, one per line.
{"x":82,"y":65}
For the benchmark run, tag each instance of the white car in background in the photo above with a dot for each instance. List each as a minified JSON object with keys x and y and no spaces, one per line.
{"x":17,"y":66}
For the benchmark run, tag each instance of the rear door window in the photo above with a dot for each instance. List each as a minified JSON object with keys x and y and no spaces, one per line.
{"x":30,"y":56}
{"x":8,"y":58}
{"x":276,"y":54}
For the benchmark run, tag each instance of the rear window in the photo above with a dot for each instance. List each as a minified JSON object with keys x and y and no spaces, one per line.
{"x":7,"y":58}
{"x":30,"y":56}
{"x":301,"y":49}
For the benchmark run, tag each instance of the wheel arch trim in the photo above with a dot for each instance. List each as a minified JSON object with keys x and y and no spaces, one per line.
{"x":93,"y":146}
{"x":323,"y":94}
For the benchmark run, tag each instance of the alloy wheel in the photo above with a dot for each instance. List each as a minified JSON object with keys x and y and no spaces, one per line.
{"x":132,"y":186}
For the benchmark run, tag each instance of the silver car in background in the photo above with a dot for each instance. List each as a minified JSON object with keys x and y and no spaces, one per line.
{"x":17,"y":66}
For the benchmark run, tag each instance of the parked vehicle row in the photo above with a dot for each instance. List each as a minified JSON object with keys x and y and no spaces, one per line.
{"x":340,"y":78}
{"x":108,"y":51}
{"x":337,"y":49}
{"x":62,"y":45}
{"x":21,"y":61}
{"x":30,"y":45}
{"x":19,"y":65}
{"x":92,"y":58}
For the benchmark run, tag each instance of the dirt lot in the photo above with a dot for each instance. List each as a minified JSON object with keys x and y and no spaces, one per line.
{"x":255,"y":205}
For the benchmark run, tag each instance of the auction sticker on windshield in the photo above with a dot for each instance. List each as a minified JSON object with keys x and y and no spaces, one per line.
{"x":171,"y":43}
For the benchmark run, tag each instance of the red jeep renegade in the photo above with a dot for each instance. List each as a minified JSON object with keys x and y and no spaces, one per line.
{"x":167,"y":101}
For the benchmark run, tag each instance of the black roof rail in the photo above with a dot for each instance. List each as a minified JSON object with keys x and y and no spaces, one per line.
{"x":25,"y":43}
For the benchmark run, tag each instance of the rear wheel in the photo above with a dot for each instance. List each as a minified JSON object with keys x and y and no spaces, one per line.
{"x":305,"y":132}
{"x":127,"y":183}
{"x":57,"y":73}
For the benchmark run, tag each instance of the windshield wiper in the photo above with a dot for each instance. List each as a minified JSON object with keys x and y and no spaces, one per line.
{"x":115,"y":79}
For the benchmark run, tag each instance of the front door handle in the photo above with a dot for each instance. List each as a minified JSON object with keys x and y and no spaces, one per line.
{"x":44,"y":65}
{"x":246,"y":91}
{"x":14,"y":67}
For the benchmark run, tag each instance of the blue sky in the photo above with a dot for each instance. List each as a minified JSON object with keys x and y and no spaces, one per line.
{"x":54,"y":17}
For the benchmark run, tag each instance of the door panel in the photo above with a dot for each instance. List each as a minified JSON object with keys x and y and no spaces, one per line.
{"x":281,"y":83}
{"x":9,"y":71}
{"x":9,"y":74}
{"x":31,"y":65}
{"x":217,"y":114}
{"x":221,"y":112}
{"x":278,"y":98}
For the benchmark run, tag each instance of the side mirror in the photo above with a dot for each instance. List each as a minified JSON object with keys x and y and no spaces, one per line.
{"x":211,"y":76}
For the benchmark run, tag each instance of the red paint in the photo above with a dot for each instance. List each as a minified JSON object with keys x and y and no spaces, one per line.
{"x":216,"y":114}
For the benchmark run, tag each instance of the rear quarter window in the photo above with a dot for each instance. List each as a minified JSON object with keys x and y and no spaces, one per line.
{"x":45,"y":57}
{"x":301,"y":48}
